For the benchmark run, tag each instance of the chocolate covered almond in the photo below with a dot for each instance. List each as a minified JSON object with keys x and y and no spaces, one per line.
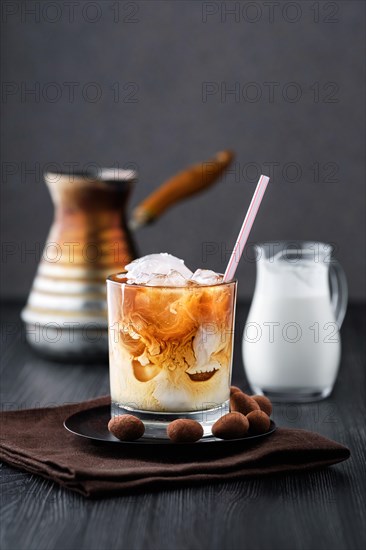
{"x":264,"y":403}
{"x":126,"y":427}
{"x":259,"y":422}
{"x":232,"y":425}
{"x":235,"y":389}
{"x":184,"y":431}
{"x":243,"y":403}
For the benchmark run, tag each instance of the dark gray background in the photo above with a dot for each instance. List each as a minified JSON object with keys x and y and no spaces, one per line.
{"x":168,"y":50}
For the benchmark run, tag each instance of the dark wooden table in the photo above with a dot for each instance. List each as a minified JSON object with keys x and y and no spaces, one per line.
{"x":319,"y":510}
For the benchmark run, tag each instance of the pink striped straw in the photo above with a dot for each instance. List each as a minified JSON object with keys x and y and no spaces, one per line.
{"x":246,"y":228}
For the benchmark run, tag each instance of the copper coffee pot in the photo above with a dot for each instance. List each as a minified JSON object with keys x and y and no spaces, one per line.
{"x":90,"y":238}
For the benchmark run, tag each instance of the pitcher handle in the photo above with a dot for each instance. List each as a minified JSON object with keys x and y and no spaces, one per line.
{"x":339,"y":291}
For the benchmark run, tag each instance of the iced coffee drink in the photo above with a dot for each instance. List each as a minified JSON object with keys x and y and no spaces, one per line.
{"x":170,"y":337}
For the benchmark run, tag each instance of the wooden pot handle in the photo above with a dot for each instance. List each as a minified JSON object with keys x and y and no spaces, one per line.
{"x":190,"y":181}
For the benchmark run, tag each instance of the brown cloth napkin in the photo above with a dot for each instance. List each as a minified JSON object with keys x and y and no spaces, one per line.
{"x":35,"y":440}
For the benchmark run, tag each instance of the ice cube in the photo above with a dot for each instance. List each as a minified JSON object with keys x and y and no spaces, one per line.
{"x":139,"y":279}
{"x":155,"y":279}
{"x":206,"y":277}
{"x":140,"y":271}
{"x":173,"y":278}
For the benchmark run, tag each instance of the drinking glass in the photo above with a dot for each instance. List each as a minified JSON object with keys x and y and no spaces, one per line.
{"x":170,"y":351}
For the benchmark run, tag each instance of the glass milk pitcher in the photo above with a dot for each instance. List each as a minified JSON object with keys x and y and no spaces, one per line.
{"x":291,"y":340}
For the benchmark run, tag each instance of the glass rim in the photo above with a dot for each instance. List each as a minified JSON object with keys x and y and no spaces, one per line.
{"x":110,"y":279}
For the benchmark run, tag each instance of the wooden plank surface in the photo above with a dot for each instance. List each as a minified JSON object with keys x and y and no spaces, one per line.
{"x":321,"y":510}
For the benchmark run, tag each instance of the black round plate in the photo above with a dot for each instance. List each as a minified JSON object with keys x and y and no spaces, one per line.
{"x":92,"y":424}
